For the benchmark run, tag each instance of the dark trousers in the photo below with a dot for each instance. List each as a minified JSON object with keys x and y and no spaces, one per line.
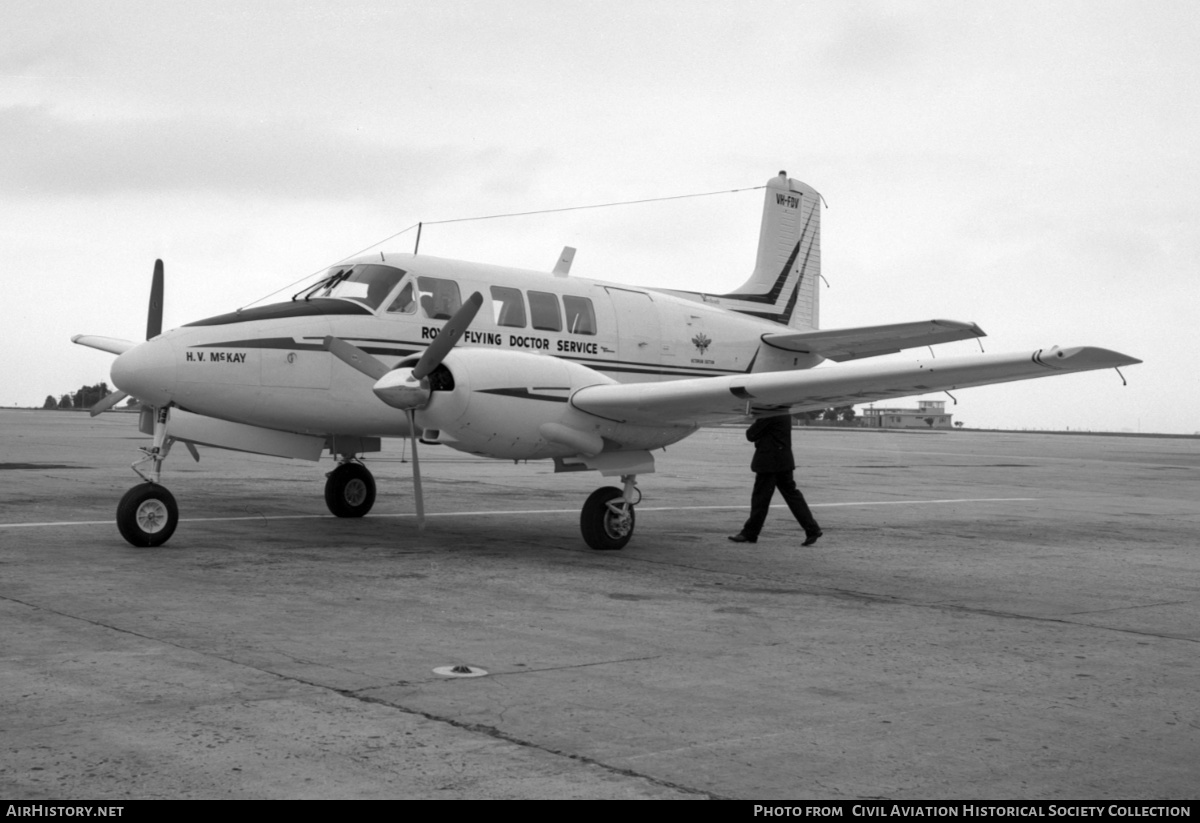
{"x":765,"y":484}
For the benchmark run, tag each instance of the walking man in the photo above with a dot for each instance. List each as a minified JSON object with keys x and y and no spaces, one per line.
{"x":773,"y":465}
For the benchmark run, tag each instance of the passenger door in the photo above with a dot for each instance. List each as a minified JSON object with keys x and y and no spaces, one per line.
{"x":639,"y":339}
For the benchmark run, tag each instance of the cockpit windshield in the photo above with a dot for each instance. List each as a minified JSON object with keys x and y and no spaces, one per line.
{"x":366,"y":283}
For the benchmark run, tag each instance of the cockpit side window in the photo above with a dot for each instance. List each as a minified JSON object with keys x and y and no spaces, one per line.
{"x":581,"y":317}
{"x":543,"y":308}
{"x":508,"y":307}
{"x":439,"y":298}
{"x":367,"y":283}
{"x":406,"y":300}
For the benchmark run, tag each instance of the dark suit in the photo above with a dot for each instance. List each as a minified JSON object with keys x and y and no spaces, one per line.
{"x":773,"y":465}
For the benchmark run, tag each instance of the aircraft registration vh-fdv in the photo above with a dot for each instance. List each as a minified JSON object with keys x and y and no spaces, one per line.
{"x":529,"y":366}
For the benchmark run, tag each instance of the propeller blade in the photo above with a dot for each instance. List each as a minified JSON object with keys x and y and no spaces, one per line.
{"x":417,"y":494}
{"x":450,"y":334}
{"x":107,"y":403}
{"x":112,"y":345}
{"x":154,"y":315}
{"x":352,"y":355}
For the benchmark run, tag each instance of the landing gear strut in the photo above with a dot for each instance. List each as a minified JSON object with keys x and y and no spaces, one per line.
{"x":607,"y":519}
{"x":350,"y":490}
{"x":147,"y":515}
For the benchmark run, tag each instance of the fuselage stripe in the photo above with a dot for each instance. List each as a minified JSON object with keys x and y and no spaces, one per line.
{"x":616,"y":366}
{"x":525,"y":394}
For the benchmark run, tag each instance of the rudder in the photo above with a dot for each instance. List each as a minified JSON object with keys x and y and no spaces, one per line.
{"x":783,"y":287}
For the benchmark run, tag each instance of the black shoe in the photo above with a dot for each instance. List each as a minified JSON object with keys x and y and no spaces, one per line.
{"x":742,"y":537}
{"x":809,"y":537}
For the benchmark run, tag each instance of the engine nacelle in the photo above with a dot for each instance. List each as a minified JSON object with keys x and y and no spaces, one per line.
{"x":516,"y":406}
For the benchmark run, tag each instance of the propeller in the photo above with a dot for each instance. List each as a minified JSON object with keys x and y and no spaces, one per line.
{"x":356,"y":357}
{"x":154,"y":315}
{"x":418,"y":495}
{"x":107,"y":402}
{"x":155,"y":312}
{"x":405,"y":387}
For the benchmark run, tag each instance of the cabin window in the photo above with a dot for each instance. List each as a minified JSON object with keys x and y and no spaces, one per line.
{"x":508,"y":307}
{"x":543,"y":308}
{"x":406,"y":300}
{"x":439,"y":298}
{"x":366,"y":283}
{"x":581,"y":318}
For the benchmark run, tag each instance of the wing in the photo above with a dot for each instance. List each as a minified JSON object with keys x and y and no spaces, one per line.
{"x":715,"y":399}
{"x":869,"y":341}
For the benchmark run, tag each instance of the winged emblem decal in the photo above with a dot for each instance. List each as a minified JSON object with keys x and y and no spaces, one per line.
{"x":701,"y":342}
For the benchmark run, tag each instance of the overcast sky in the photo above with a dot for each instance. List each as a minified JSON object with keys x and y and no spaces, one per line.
{"x":1031,"y":167}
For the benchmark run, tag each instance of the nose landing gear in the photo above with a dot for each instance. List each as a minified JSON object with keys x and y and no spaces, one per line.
{"x":147,"y":515}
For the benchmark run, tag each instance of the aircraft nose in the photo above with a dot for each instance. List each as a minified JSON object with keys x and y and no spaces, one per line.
{"x":147,"y":371}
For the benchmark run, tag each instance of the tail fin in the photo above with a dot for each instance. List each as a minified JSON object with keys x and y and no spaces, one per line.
{"x":783,"y":287}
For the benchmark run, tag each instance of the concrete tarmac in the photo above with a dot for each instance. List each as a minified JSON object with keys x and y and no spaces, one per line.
{"x":989,"y":615}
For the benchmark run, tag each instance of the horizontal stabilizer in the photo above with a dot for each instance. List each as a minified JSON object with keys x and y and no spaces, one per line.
{"x":113,"y":345}
{"x":871,"y":341}
{"x":705,"y":400}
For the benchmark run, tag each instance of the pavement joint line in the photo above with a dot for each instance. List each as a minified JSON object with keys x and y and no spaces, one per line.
{"x":500,"y":734}
{"x":1137,"y":606}
{"x":576,"y":666}
{"x":873,"y":718}
{"x":1065,"y":621}
{"x":523,"y":512}
{"x":476,"y":728}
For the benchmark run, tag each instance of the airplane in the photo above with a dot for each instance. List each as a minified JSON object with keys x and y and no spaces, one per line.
{"x":589,"y":374}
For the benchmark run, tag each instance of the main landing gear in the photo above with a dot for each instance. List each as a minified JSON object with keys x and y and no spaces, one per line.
{"x":607,"y":519}
{"x":350,"y":490}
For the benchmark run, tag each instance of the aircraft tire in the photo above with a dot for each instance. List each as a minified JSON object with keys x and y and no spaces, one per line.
{"x":147,"y":515}
{"x":604,"y":530}
{"x":350,"y":490}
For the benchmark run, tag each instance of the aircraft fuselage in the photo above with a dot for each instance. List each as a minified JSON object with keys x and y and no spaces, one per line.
{"x":268,"y":367}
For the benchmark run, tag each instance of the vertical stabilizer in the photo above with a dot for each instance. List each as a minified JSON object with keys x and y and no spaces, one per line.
{"x":783,"y":287}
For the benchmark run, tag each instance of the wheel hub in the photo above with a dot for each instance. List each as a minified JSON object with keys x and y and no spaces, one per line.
{"x":152,"y":516}
{"x":618,"y":523}
{"x":355,"y":492}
